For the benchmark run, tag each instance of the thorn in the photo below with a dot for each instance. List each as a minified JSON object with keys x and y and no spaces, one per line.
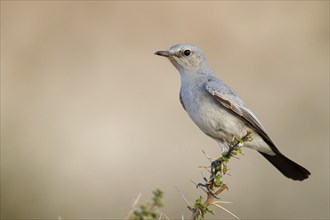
{"x":207,"y":156}
{"x":184,"y":198}
{"x":217,"y":205}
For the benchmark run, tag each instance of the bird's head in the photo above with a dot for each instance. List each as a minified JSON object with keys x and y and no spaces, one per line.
{"x":185,"y":57}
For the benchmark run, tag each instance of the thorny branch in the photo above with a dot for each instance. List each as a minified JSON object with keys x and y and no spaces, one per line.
{"x":214,"y":186}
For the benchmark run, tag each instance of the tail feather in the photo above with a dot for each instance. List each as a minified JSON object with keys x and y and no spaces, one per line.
{"x":287,"y":167}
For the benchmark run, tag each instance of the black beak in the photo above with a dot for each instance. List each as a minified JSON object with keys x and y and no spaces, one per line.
{"x":163,"y":53}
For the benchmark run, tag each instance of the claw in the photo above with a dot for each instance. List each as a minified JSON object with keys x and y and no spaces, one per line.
{"x":202,"y":185}
{"x":215,"y":196}
{"x":215,"y":163}
{"x":207,"y":188}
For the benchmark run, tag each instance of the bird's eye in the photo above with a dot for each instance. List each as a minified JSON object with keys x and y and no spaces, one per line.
{"x":187,"y":52}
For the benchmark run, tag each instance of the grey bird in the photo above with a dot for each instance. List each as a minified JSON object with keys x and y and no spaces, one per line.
{"x":219,"y":112}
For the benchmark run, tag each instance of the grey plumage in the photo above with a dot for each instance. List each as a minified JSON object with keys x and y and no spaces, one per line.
{"x":219,"y":112}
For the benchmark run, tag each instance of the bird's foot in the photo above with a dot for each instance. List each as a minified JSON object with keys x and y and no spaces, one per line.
{"x":216,"y":163}
{"x":207,"y":188}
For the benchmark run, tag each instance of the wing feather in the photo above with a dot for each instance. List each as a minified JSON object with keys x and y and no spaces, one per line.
{"x":225,"y":96}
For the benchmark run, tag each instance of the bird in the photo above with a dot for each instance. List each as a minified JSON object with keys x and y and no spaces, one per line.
{"x":219,"y":112}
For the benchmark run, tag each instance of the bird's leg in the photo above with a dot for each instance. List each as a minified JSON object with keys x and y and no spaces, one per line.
{"x":208,"y":186}
{"x":219,"y":166}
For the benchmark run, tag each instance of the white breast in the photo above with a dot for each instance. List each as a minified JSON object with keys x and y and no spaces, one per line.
{"x":214,"y":119}
{"x":209,"y":115}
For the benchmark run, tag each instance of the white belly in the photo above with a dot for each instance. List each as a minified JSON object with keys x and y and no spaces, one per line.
{"x":216,"y":120}
{"x":209,"y":115}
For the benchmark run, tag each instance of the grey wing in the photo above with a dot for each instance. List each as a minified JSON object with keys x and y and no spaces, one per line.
{"x":228,"y":98}
{"x":225,"y":96}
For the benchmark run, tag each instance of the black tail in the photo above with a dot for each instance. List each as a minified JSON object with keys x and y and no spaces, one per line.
{"x":287,"y":167}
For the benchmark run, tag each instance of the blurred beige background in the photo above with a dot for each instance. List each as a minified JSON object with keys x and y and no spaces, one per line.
{"x":90,"y":117}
